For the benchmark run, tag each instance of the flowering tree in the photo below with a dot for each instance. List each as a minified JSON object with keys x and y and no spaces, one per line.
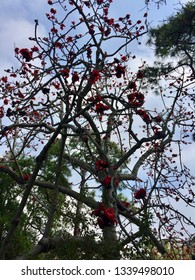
{"x":78,"y":89}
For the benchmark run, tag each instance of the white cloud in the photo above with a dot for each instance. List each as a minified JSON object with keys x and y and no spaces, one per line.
{"x":17,"y":25}
{"x":15,"y":33}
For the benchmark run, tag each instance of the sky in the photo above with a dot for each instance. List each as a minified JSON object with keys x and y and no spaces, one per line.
{"x":17,"y":25}
{"x":17,"y":21}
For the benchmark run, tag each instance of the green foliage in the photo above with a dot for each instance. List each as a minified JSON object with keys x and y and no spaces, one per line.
{"x":9,"y":201}
{"x":92,"y":191}
{"x":48,"y":169}
{"x":175,"y":36}
{"x":38,"y":205}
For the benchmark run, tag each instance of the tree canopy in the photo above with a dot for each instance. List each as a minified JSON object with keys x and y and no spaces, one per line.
{"x":176,"y":36}
{"x":92,"y":168}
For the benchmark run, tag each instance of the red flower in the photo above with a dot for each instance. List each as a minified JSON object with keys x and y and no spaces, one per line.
{"x":53,"y":11}
{"x":34,"y":49}
{"x":99,"y":2}
{"x":144,"y":115}
{"x":157,"y":119}
{"x":16,"y":50}
{"x":107,"y":181}
{"x":124,"y":58}
{"x":107,"y":32}
{"x":13,"y":75}
{"x":96,"y":98}
{"x":140,"y":194}
{"x":136,"y":99}
{"x":95,"y":76}
{"x":56,"y":85}
{"x":120,"y":70}
{"x":65,"y":72}
{"x":116,"y":183}
{"x":69,"y":39}
{"x":54,"y":30}
{"x":87,"y":3}
{"x":106,"y":216}
{"x":58,"y":45}
{"x":140,"y":75}
{"x":110,"y":21}
{"x":100,"y":209}
{"x":110,"y":215}
{"x":131,"y":97}
{"x":20,"y":95}
{"x":101,"y":164}
{"x":26,"y":54}
{"x":4,"y":79}
{"x":26,"y":177}
{"x":5,"y":101}
{"x":75,"y":77}
{"x":100,"y":108}
{"x":91,"y":30}
{"x":105,"y":10}
{"x":62,"y":26}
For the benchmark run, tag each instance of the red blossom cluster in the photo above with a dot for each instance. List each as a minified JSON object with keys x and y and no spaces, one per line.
{"x":26,"y":177}
{"x":99,"y":2}
{"x":157,"y":119}
{"x":144,"y":115}
{"x":94,"y":76}
{"x":56,"y":85}
{"x":75,"y":77}
{"x":65,"y":72}
{"x":132,"y":85}
{"x":96,"y":98}
{"x":4,"y":79}
{"x":159,"y":134}
{"x":109,"y":21}
{"x":54,"y":30}
{"x":107,"y":181}
{"x":5,"y":101}
{"x":140,"y":74}
{"x":120,"y":70}
{"x":100,"y":108}
{"x":101,"y":164}
{"x":26,"y":53}
{"x":53,"y":11}
{"x":69,"y":39}
{"x":136,"y":99}
{"x":106,"y":216}
{"x":140,"y":194}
